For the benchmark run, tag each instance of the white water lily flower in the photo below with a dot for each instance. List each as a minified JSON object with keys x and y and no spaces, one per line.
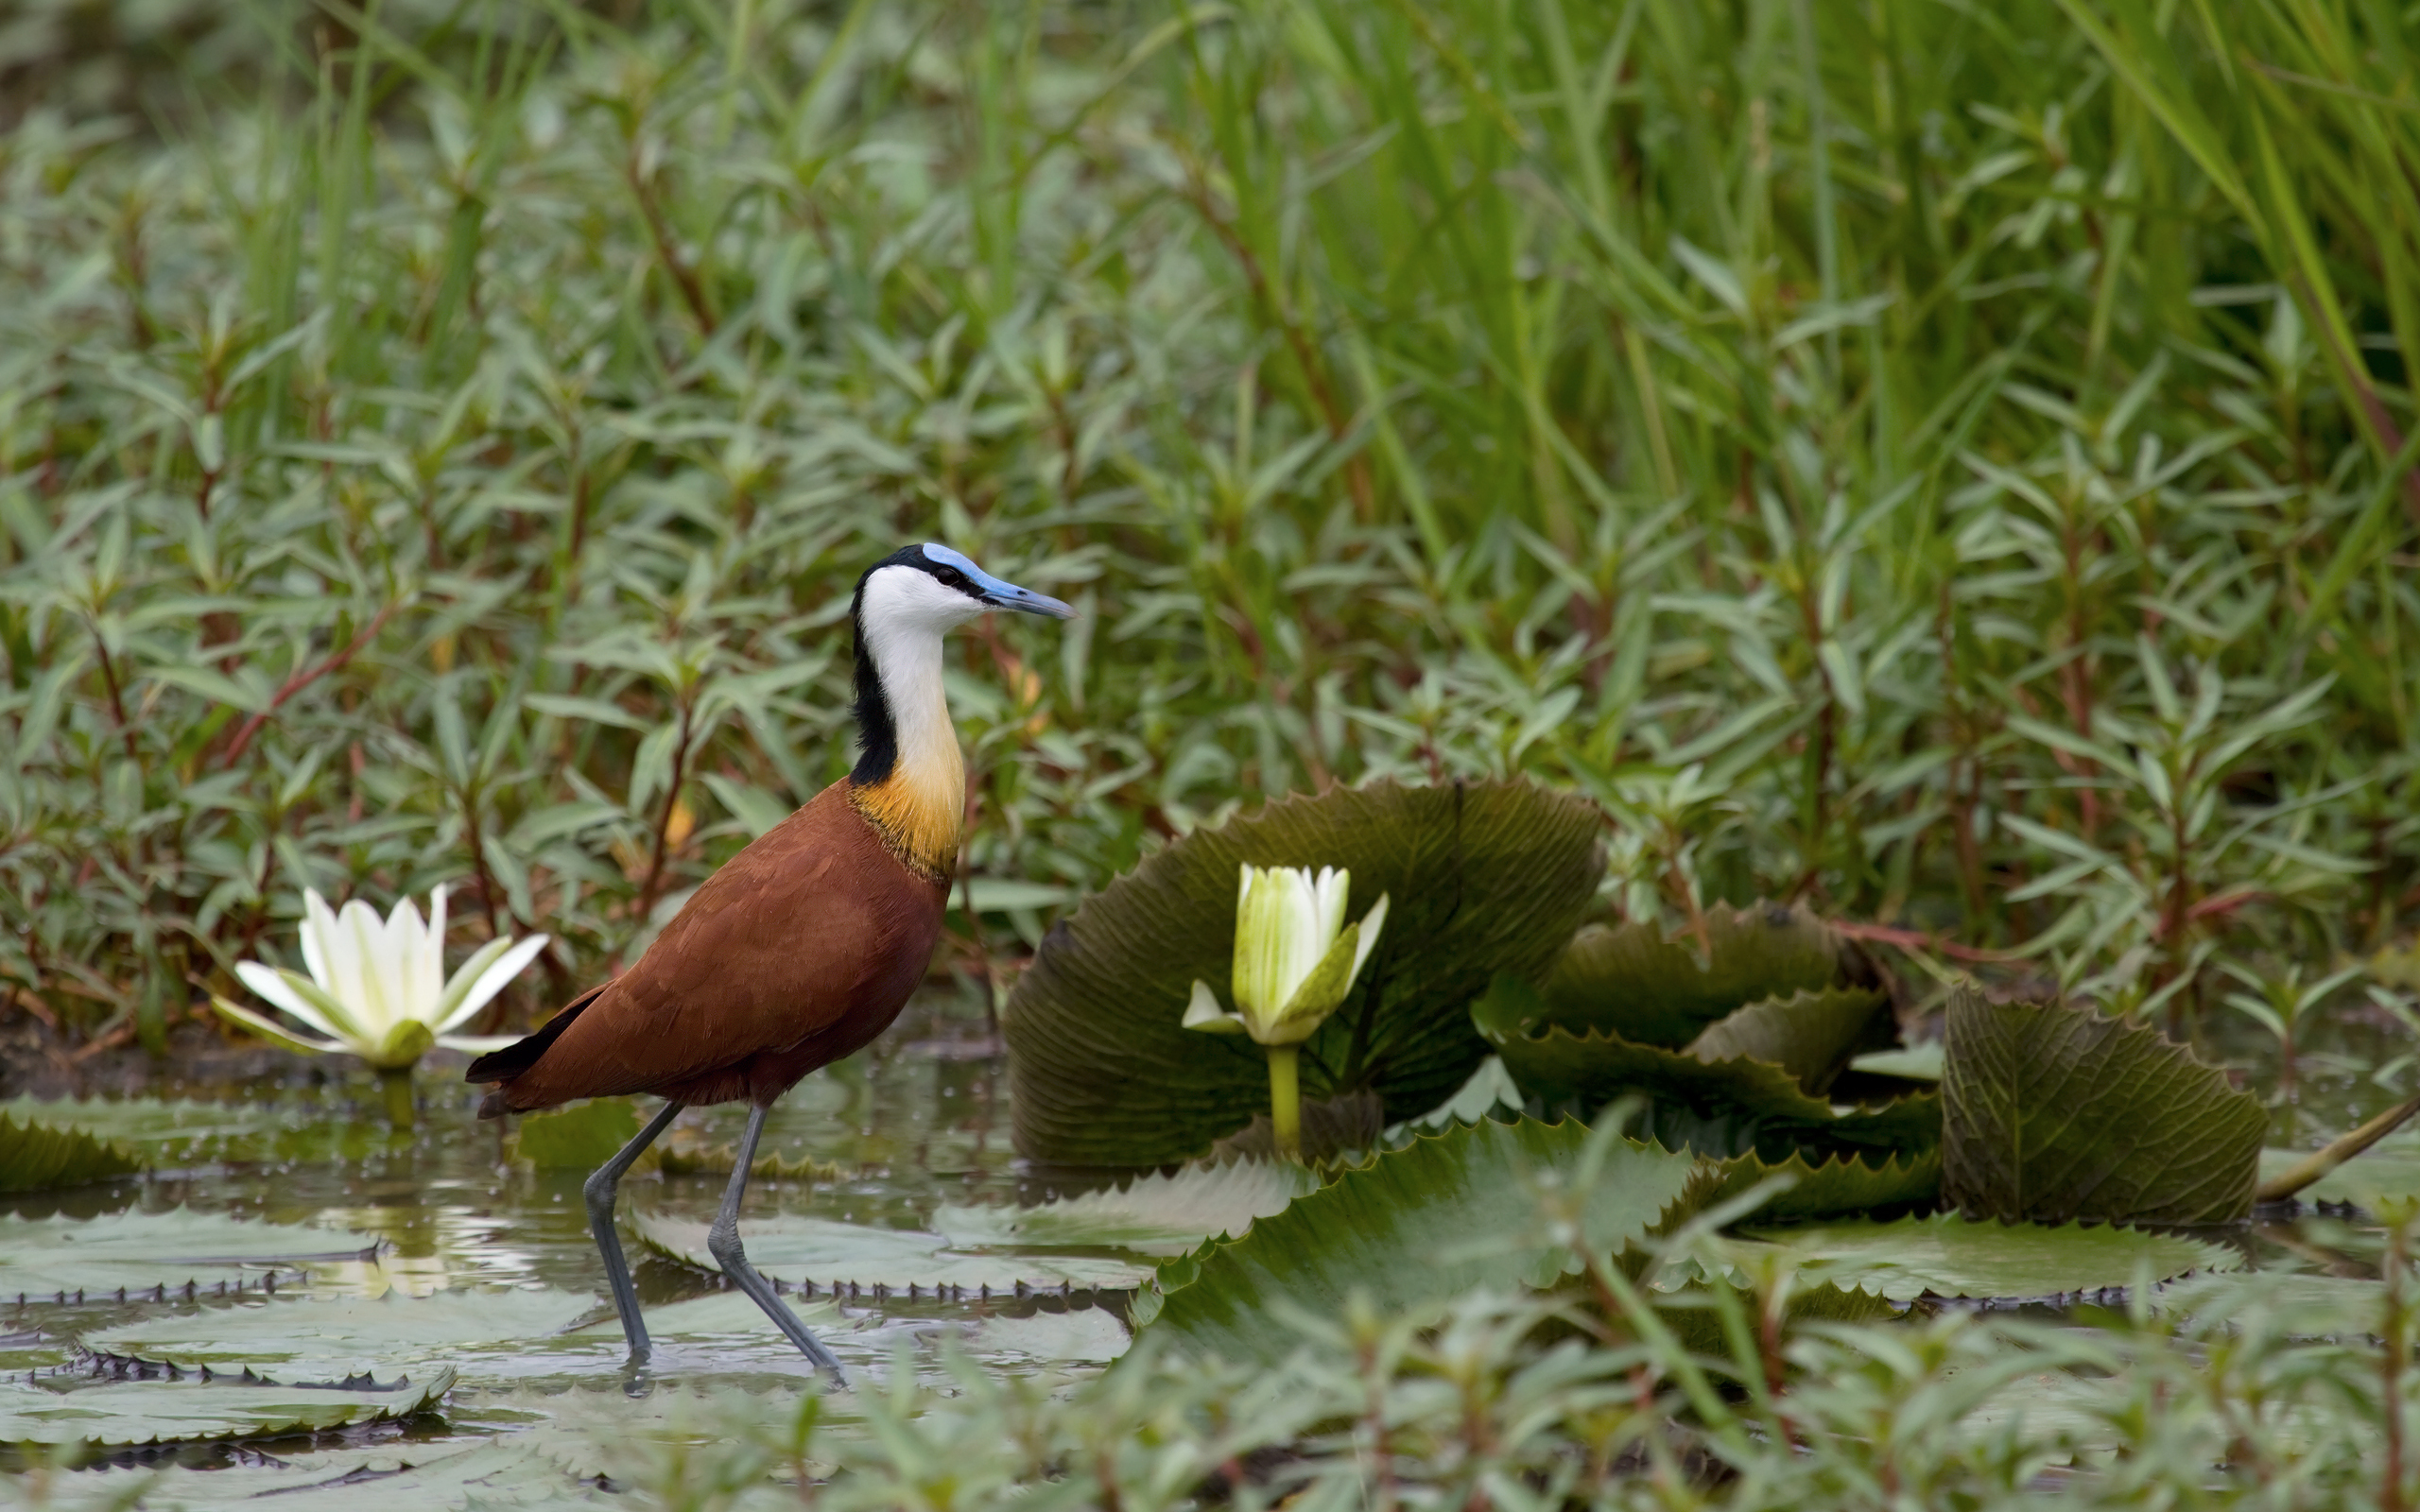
{"x":1295,"y":957}
{"x":378,"y":988}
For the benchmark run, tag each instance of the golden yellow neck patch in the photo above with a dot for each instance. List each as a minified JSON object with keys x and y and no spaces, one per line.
{"x":920,"y":809}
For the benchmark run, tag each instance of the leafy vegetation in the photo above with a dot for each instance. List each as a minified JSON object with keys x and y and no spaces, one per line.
{"x":1893,"y":457}
{"x":1946,"y":472}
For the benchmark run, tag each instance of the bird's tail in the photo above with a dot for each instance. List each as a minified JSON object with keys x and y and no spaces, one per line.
{"x":511,"y":1062}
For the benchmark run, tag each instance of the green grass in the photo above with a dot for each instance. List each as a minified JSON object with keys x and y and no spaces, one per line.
{"x":1943,"y":462}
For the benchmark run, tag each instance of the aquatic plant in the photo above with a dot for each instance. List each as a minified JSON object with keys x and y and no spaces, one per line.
{"x":377,"y":988}
{"x":1295,"y":960}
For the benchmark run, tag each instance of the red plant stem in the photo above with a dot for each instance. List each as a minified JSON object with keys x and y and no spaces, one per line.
{"x":303,"y":679}
{"x":1916,"y":939}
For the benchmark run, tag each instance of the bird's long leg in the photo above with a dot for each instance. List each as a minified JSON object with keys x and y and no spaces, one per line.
{"x":599,"y":1189}
{"x":722,"y":1242}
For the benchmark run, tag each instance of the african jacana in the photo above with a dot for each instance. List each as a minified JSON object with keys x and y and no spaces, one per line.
{"x":803,"y":946}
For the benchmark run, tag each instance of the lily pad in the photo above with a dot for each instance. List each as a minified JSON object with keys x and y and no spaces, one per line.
{"x":1444,"y":1214}
{"x":81,"y":1409}
{"x":2054,"y":1114}
{"x":1718,"y":1107}
{"x":37,"y":1157}
{"x":579,"y":1138}
{"x":1809,"y":1035}
{"x":341,"y":1335}
{"x":1484,"y":878}
{"x":2387,"y":1172}
{"x":177,"y":1131}
{"x":1842,"y":1185}
{"x":140,"y":1252}
{"x":1631,"y":980}
{"x":820,"y":1253}
{"x":1949,"y":1256}
{"x":504,"y":1471}
{"x":1153,"y":1215}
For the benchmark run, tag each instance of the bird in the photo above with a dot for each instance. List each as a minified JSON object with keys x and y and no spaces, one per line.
{"x":796,"y":951}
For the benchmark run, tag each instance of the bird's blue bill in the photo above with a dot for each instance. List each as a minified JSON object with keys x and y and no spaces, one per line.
{"x":997,"y":593}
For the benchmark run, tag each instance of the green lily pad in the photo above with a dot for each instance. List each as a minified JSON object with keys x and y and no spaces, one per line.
{"x":169,"y":1132}
{"x":1812,"y":1035}
{"x":342,"y":1335}
{"x":37,"y":1157}
{"x":1078,"y":1335}
{"x":820,"y":1253}
{"x":1631,"y":980}
{"x":504,"y":1471}
{"x":100,"y":1410}
{"x":579,"y":1138}
{"x":2387,"y":1172}
{"x":1153,"y":1215}
{"x":1444,"y":1214}
{"x":149,"y":1251}
{"x":2054,"y":1114}
{"x":1720,"y":1107}
{"x":1483,"y":878}
{"x":1841,"y":1184}
{"x":1949,"y":1256}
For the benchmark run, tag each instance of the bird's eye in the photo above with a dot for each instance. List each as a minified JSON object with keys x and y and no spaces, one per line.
{"x":952,"y":576}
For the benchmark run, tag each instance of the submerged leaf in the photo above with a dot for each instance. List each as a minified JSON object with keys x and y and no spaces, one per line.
{"x":2387,"y":1172}
{"x":2054,"y":1114}
{"x":820,"y":1253}
{"x":142,"y":1251}
{"x":1949,"y":1256}
{"x":1444,"y":1214}
{"x":1154,"y":1214}
{"x":38,"y":1157}
{"x":108,"y":1412}
{"x":176,"y":1131}
{"x":1484,"y":878}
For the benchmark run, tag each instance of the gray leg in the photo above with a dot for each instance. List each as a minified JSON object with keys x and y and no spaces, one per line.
{"x":599,"y":1189}
{"x":722,"y":1242}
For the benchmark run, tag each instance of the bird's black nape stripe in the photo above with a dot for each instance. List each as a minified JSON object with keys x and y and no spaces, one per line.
{"x":877,"y":738}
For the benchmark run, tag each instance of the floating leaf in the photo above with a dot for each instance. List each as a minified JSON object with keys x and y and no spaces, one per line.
{"x":1484,"y":878}
{"x":2055,"y":1114}
{"x":1809,"y":1035}
{"x":341,"y":1335}
{"x":819,"y":1252}
{"x":1721,"y":1108}
{"x":1081,"y":1333}
{"x":142,"y":1251}
{"x":579,"y":1138}
{"x":38,"y":1157}
{"x":1914,"y":1063}
{"x":1629,"y":979}
{"x":683,"y":1158}
{"x":1154,"y":1214}
{"x":182,"y":1132}
{"x":1842,"y":1185}
{"x":1949,"y":1256}
{"x":1444,"y":1214}
{"x":107,"y":1411}
{"x":2387,"y":1172}
{"x":505,"y":1472}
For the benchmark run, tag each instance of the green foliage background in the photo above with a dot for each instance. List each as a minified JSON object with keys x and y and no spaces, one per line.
{"x":1933,"y":461}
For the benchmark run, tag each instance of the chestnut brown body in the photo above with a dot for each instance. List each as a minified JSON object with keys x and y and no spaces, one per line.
{"x":798,"y":950}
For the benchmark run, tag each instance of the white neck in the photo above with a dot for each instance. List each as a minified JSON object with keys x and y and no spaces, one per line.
{"x":921,"y":805}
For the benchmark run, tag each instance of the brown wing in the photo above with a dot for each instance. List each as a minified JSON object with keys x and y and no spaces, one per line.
{"x":816,"y":931}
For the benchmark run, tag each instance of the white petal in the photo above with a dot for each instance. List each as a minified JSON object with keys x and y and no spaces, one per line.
{"x":272,"y":987}
{"x":1372,"y":922}
{"x":436,"y":954}
{"x":407,"y":952}
{"x":1334,"y":886}
{"x":270,"y":1029}
{"x":1306,"y":939}
{"x":319,"y":940}
{"x":364,"y":936}
{"x":492,"y":981}
{"x":1203,"y":1012}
